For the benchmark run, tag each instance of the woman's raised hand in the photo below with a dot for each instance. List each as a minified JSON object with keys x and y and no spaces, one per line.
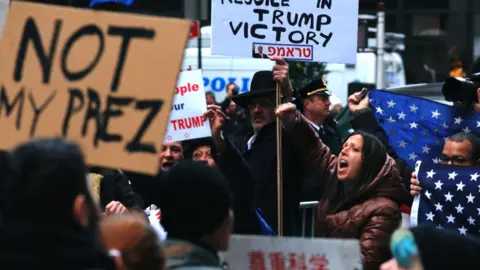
{"x":286,"y":111}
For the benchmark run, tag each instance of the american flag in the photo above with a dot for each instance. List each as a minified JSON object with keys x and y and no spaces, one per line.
{"x":450,"y":198}
{"x":417,"y":130}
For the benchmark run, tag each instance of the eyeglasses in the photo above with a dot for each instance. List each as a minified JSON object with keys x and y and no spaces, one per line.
{"x":456,"y":160}
{"x":262,"y":103}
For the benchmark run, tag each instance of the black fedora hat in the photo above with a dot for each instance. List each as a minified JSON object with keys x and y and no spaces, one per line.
{"x":262,"y":84}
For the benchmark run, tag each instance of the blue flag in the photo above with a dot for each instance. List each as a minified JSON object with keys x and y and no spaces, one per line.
{"x":450,"y":198}
{"x":416,"y":127}
{"x":417,"y":130}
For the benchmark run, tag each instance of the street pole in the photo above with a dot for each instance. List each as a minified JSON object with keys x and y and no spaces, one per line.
{"x":199,"y":39}
{"x":380,"y":69}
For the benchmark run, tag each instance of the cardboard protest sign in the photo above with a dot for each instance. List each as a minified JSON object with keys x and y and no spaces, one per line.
{"x":186,"y":119}
{"x":102,"y":79}
{"x":257,"y":252}
{"x":301,"y":30}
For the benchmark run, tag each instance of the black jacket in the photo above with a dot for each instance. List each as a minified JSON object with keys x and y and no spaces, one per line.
{"x":262,"y":161}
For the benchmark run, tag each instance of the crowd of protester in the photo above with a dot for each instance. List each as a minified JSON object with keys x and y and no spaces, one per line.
{"x":58,"y":213}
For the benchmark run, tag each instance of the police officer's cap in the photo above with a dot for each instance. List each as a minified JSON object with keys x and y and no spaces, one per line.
{"x":315,"y":87}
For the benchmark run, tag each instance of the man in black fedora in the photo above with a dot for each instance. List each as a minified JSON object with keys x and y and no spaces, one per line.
{"x":259,"y":149}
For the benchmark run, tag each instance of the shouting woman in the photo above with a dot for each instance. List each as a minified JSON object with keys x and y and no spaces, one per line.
{"x":361,"y":187}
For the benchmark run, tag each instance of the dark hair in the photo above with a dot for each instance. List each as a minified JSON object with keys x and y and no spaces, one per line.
{"x":234,"y":90}
{"x":375,"y":153}
{"x":474,"y":140}
{"x":47,"y":174}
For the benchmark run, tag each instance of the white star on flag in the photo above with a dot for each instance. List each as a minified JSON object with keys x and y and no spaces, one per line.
{"x":451,"y":219}
{"x":413,"y":156}
{"x":470,"y":198}
{"x":430,"y":174}
{"x":413,"y":108}
{"x":428,"y":194}
{"x":466,"y":130}
{"x":391,"y":120}
{"x":474,"y":177}
{"x":478,"y":124}
{"x":458,"y":120}
{"x":391,"y":104}
{"x":435,"y":114}
{"x":426,"y":149}
{"x":448,"y":197}
{"x":452,"y":175}
{"x":379,"y":110}
{"x":444,"y":125}
{"x":413,"y":125}
{"x":471,"y":221}
{"x":459,"y":208}
{"x":430,"y":216}
{"x":438,"y":207}
{"x":438,"y":185}
{"x":401,"y":116}
{"x":460,"y":186}
{"x":463,"y":230}
{"x":402,"y":144}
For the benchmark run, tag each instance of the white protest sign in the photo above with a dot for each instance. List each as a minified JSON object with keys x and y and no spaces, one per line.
{"x":300,"y":30}
{"x":189,"y":104}
{"x":279,"y":253}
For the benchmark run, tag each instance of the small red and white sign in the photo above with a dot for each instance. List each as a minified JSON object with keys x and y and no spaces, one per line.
{"x":189,"y":104}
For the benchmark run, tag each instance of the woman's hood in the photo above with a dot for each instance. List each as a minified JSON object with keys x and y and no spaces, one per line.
{"x":387,"y":183}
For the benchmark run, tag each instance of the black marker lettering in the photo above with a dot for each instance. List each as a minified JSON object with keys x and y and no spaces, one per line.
{"x":127,"y":34}
{"x":296,"y":37}
{"x":323,"y":19}
{"x":306,"y":19}
{"x":278,"y":30}
{"x":236,"y":29}
{"x":135,"y":145}
{"x":19,"y":99}
{"x":92,"y":113}
{"x":31,"y":33}
{"x":260,"y":13}
{"x":255,"y":27}
{"x":113,"y":113}
{"x":87,"y":30}
{"x":324,"y":3}
{"x":75,"y":94}
{"x":38,"y":110}
{"x":311,"y":37}
{"x":277,"y":15}
{"x":291,"y":21}
{"x":327,"y":38}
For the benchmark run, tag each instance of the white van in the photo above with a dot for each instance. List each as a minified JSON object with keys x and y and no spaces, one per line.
{"x":218,"y":71}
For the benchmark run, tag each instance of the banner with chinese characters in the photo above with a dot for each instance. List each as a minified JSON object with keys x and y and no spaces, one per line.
{"x":189,"y":104}
{"x":299,"y":30}
{"x":281,"y":253}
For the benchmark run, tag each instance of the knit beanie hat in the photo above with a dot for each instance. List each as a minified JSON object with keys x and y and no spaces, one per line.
{"x":196,"y":199}
{"x":446,"y":249}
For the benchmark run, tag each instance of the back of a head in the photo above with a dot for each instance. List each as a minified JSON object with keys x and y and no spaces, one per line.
{"x":197,"y":200}
{"x":136,"y":241}
{"x":46,"y":174}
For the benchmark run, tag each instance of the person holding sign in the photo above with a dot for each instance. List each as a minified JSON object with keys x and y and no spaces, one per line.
{"x":362,"y":188}
{"x":261,"y":149}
